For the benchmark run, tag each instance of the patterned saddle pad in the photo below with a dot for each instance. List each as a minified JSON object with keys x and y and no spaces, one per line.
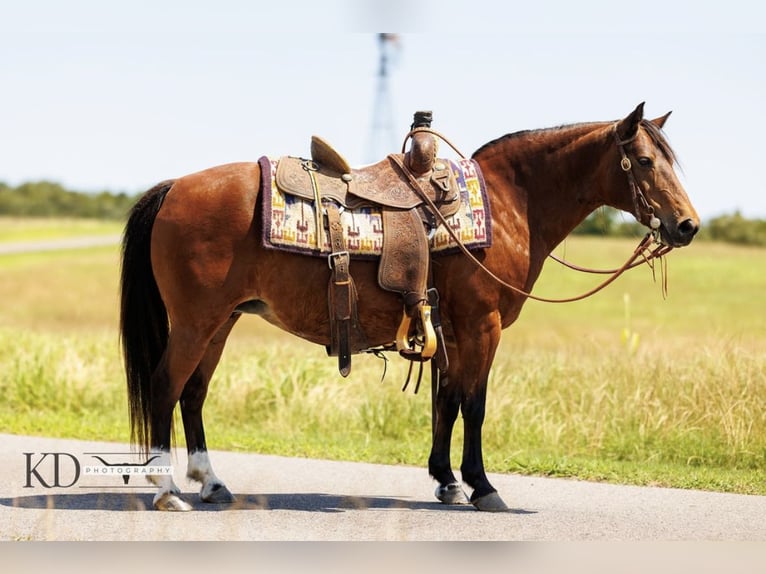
{"x":289,"y":223}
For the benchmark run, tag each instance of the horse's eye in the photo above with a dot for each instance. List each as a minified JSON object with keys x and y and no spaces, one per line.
{"x":645,"y":161}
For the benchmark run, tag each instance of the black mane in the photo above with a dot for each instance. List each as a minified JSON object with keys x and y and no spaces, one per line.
{"x":654,"y":132}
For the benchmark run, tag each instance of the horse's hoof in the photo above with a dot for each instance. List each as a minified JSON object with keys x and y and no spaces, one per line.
{"x":490,"y":503}
{"x":216,"y":494}
{"x":451,"y":493}
{"x":170,"y":502}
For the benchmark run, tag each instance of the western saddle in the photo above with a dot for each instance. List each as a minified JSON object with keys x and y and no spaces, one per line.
{"x":406,"y":187}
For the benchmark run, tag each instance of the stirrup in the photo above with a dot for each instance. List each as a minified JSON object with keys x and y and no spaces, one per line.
{"x":429,"y":336}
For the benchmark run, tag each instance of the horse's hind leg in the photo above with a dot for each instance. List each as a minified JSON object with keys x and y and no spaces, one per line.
{"x":179,"y":364}
{"x":193,"y":397}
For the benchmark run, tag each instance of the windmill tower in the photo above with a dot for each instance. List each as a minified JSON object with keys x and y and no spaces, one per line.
{"x":382,"y":137}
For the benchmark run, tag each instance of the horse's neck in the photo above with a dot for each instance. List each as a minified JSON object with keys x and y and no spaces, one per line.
{"x":558,"y":173}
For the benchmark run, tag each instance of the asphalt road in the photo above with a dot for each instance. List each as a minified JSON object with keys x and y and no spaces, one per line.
{"x":58,"y":244}
{"x":288,"y":499}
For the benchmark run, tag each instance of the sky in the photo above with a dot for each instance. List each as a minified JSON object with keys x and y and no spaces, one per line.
{"x":120,"y":95}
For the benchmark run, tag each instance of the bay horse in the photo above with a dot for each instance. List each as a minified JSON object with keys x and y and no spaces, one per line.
{"x":193,"y":262}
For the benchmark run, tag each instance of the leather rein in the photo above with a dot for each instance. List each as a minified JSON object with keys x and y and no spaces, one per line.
{"x":641,"y":254}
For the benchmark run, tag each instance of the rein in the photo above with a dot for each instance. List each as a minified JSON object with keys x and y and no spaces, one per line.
{"x":656,"y":253}
{"x":638,"y":257}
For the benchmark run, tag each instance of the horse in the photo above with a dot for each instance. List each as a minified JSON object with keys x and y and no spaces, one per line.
{"x":193,"y":262}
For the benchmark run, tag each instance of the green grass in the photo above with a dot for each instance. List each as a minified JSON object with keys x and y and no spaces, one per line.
{"x":624,"y":387}
{"x":46,"y":228}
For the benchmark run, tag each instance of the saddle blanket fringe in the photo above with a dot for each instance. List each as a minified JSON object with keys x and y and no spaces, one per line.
{"x":289,"y":223}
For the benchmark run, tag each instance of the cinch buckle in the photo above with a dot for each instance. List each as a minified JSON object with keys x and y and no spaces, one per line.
{"x":332,"y":256}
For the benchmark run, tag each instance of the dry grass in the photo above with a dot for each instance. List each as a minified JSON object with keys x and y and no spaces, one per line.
{"x":43,"y":228}
{"x":671,"y":392}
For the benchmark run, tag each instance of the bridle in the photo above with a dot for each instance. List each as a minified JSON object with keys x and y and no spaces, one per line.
{"x":641,"y":254}
{"x":640,"y":204}
{"x":639,"y":200}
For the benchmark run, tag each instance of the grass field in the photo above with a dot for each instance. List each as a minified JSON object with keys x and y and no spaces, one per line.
{"x":41,"y":228}
{"x":624,"y":387}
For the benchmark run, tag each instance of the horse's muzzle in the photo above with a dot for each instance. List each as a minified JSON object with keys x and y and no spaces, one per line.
{"x":679,"y":234}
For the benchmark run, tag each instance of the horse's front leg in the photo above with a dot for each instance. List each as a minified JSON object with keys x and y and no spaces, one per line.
{"x":477,"y":342}
{"x":447,"y":404}
{"x":484,"y":496}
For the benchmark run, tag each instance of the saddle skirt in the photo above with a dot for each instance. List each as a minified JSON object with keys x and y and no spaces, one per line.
{"x":289,"y":218}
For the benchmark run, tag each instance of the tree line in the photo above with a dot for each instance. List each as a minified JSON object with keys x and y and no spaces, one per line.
{"x":730,"y":228}
{"x":49,"y":199}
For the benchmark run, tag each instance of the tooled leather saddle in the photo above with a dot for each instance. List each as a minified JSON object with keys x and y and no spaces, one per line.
{"x":406,"y":188}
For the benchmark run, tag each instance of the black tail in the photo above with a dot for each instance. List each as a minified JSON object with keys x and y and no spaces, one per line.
{"x":143,"y":316}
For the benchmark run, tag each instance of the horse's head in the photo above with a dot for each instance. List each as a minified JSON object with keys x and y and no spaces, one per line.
{"x":656,"y":198}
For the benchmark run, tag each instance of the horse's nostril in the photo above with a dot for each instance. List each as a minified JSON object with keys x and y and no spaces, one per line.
{"x":688,"y":227}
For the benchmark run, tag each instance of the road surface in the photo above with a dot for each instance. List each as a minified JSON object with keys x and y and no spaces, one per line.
{"x":58,"y":244}
{"x":280,"y":498}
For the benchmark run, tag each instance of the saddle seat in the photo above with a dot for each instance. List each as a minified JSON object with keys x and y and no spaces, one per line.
{"x":398,"y":191}
{"x":379,"y":184}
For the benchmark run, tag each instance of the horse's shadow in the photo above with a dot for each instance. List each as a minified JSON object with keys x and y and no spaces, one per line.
{"x":299,"y":501}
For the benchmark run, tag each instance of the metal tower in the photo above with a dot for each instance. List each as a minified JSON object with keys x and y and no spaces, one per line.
{"x":382,"y":137}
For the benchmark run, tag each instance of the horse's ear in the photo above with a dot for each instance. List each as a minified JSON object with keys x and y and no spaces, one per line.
{"x":660,"y":122}
{"x":627,"y":128}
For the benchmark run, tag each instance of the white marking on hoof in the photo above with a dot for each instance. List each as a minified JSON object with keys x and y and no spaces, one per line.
{"x":451,"y":493}
{"x":490,"y":503}
{"x":213,"y":489}
{"x":170,"y":502}
{"x":167,"y":497}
